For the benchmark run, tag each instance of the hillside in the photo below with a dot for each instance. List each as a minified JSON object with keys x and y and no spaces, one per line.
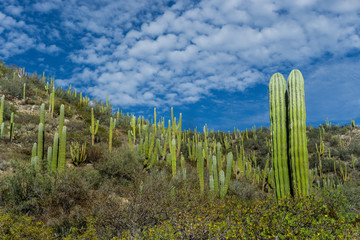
{"x":156,"y":181}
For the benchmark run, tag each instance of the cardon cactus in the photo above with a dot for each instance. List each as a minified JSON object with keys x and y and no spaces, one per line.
{"x":277,"y":100}
{"x":93,"y":128}
{"x":12,"y":126}
{"x":54,"y":159}
{"x":62,"y":150}
{"x":41,"y":143}
{"x":297,"y":134}
{"x":2,"y":109}
{"x":288,"y":130}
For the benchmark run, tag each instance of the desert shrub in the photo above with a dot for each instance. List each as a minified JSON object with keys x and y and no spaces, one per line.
{"x":123,"y":165}
{"x":22,"y":227}
{"x":289,"y":219}
{"x":95,"y":153}
{"x":26,"y":190}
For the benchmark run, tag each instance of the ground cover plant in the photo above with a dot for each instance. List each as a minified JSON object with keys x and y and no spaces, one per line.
{"x":75,"y":168}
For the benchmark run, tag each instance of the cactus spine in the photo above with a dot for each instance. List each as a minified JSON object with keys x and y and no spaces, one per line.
{"x":288,"y":131}
{"x":62,"y":150}
{"x":93,"y":128}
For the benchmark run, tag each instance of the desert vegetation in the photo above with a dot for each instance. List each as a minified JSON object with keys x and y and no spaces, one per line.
{"x":75,"y":168}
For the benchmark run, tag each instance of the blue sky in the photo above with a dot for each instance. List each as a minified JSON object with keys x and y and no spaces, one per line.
{"x":211,"y":59}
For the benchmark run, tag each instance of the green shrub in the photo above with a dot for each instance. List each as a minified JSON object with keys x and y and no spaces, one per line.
{"x":22,"y":227}
{"x":123,"y":165}
{"x":26,"y":190}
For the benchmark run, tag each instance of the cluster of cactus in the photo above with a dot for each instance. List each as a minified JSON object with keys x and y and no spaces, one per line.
{"x":78,"y":154}
{"x":55,"y":159}
{"x":352,"y":123}
{"x":288,"y":131}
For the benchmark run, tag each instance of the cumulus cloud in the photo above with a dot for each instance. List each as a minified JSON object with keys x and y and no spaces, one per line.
{"x":161,"y":52}
{"x":183,"y":52}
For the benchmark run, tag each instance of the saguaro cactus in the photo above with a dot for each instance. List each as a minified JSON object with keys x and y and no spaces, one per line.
{"x":2,"y":109}
{"x":298,"y":152}
{"x":12,"y":126}
{"x":277,"y":100}
{"x":111,"y":128}
{"x":40,"y":152}
{"x":62,"y":150}
{"x":288,"y":130}
{"x":93,"y":128}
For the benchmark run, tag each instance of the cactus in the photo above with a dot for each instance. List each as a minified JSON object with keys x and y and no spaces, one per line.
{"x":297,"y":134}
{"x":173,"y":157}
{"x":49,"y":158}
{"x":200,"y":167}
{"x":61,"y":120}
{"x":34,"y":156}
{"x":78,"y":155}
{"x":42,"y":114}
{"x":93,"y":128}
{"x":288,"y":120}
{"x":111,"y":128}
{"x":2,"y":109}
{"x":24,"y":90}
{"x":54,"y":159}
{"x":211,"y":186}
{"x":229,"y":160}
{"x":222,"y":184}
{"x":277,"y":100}
{"x":183,"y":168}
{"x":12,"y":126}
{"x":40,"y":152}
{"x":2,"y":130}
{"x":62,"y":150}
{"x":352,"y":124}
{"x":133,"y":125}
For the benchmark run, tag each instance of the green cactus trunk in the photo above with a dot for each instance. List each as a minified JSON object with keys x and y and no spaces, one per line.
{"x":12,"y":127}
{"x":297,"y":134}
{"x":2,"y":109}
{"x":93,"y":128}
{"x":54,"y":160}
{"x":41,"y":143}
{"x":62,"y":150}
{"x":61,"y":120}
{"x":277,"y":99}
{"x":200,"y":167}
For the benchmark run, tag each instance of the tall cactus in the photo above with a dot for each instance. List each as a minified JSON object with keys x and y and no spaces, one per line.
{"x":111,"y":128}
{"x":62,"y":150}
{"x":40,"y":144}
{"x":54,"y":159}
{"x":200,"y":167}
{"x":24,"y":91}
{"x":277,"y":100}
{"x":61,"y":120}
{"x":2,"y":109}
{"x":288,"y":131}
{"x":298,"y":152}
{"x":12,"y":126}
{"x":93,"y":128}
